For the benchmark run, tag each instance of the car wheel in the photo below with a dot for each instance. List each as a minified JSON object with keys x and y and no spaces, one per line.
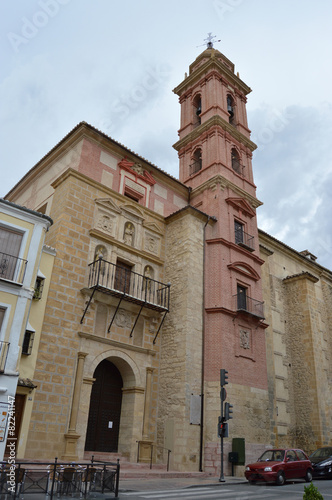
{"x":308,"y":476}
{"x":280,"y":478}
{"x":252,"y":481}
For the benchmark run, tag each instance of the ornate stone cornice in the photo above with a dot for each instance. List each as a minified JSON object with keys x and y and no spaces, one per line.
{"x":213,"y":63}
{"x":214,"y":121}
{"x":114,"y":343}
{"x":223,"y":183}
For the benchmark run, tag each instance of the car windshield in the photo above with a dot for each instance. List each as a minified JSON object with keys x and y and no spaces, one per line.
{"x":322,"y":453}
{"x":272,"y":455}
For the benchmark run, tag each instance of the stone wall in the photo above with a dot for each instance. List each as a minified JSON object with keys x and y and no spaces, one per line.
{"x":298,"y":303}
{"x":181,"y":342}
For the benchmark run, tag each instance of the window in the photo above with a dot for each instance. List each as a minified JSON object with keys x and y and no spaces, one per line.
{"x":133,"y":195}
{"x":39,"y":285}
{"x":301,"y":455}
{"x":196,"y":164}
{"x":231,"y":109}
{"x":28,"y":340}
{"x":239,"y":232}
{"x":197,"y":103}
{"x":241,"y":297}
{"x":2,"y":315}
{"x":236,"y":165}
{"x":122,"y":277}
{"x":10,"y":244}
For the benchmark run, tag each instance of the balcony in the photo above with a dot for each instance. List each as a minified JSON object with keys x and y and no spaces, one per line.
{"x":195,"y":167}
{"x":243,"y":303}
{"x":12,"y":268}
{"x":244,"y":239}
{"x":237,"y":167}
{"x":4,"y":348}
{"x":120,"y":282}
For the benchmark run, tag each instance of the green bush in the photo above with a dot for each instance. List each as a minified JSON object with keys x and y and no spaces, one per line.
{"x":311,"y":493}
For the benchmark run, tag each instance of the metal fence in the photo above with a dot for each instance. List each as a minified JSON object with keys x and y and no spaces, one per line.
{"x":58,"y":479}
{"x":247,"y":304}
{"x":12,"y":268}
{"x":113,"y":277}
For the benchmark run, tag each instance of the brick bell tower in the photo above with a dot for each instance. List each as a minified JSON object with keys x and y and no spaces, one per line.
{"x":215,"y":153}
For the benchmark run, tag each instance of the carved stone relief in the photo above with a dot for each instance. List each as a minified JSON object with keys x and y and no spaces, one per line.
{"x":105,"y":223}
{"x":137,"y":167}
{"x":245,"y":339}
{"x":153,"y":325}
{"x":123,"y":319}
{"x":151,"y":243}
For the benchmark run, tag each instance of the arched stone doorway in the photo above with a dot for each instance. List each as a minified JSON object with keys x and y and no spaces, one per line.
{"x":105,"y":409}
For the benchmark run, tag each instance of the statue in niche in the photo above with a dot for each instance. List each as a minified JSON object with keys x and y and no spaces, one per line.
{"x":147,"y":279}
{"x":129,"y":233}
{"x":245,"y":339}
{"x":100,"y":253}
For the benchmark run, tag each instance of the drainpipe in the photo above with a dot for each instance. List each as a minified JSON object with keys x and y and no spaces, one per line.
{"x":203,"y":346}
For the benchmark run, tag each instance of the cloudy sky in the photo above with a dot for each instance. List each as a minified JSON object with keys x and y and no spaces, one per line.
{"x":114,"y":65}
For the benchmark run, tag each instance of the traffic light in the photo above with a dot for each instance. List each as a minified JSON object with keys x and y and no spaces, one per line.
{"x":223,"y":377}
{"x":220,"y":427}
{"x":228,"y":411}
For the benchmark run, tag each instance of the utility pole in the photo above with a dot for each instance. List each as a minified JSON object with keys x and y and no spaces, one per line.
{"x":222,"y":425}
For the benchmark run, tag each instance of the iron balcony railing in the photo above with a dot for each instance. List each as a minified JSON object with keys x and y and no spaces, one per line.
{"x":195,"y":167}
{"x":4,"y":348}
{"x":244,"y":239}
{"x":237,"y":167}
{"x":122,"y":282}
{"x":246,"y":304}
{"x":12,"y":268}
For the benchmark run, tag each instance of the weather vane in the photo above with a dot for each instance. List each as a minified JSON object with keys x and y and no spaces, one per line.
{"x":209,"y":41}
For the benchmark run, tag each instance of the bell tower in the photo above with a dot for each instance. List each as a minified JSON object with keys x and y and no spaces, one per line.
{"x":215,"y":155}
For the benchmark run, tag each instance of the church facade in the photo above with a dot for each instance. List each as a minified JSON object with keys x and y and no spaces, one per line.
{"x":160,"y":283}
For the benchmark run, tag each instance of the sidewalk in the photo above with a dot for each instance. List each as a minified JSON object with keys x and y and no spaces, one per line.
{"x":158,"y":483}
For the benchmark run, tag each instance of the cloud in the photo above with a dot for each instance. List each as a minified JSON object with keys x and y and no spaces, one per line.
{"x":293,"y":171}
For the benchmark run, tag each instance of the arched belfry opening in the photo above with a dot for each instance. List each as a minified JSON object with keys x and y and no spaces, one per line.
{"x":231,"y":109}
{"x":196,"y":163}
{"x":105,"y":409}
{"x":197,"y":109}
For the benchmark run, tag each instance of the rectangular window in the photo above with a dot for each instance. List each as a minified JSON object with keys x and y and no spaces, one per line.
{"x":241,"y":298}
{"x":133,"y":195}
{"x":2,"y":315}
{"x":39,"y":285}
{"x":10,"y":244}
{"x":27,"y":342}
{"x":239,"y":232}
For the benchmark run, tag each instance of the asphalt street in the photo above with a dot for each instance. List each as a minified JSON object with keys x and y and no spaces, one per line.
{"x":228,"y":491}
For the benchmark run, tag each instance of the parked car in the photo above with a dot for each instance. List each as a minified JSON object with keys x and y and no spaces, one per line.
{"x":278,"y":465}
{"x":321,"y":461}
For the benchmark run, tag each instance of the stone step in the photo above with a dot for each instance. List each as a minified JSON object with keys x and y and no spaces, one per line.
{"x":103,"y":456}
{"x":155,"y":473}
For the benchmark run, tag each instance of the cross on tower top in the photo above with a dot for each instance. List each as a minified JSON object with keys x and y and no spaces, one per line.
{"x":209,"y":40}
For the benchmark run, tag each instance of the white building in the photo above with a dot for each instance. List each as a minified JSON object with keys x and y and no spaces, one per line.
{"x":22,"y":233}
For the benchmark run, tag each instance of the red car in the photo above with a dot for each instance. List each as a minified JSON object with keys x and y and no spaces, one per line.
{"x":278,"y":465}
